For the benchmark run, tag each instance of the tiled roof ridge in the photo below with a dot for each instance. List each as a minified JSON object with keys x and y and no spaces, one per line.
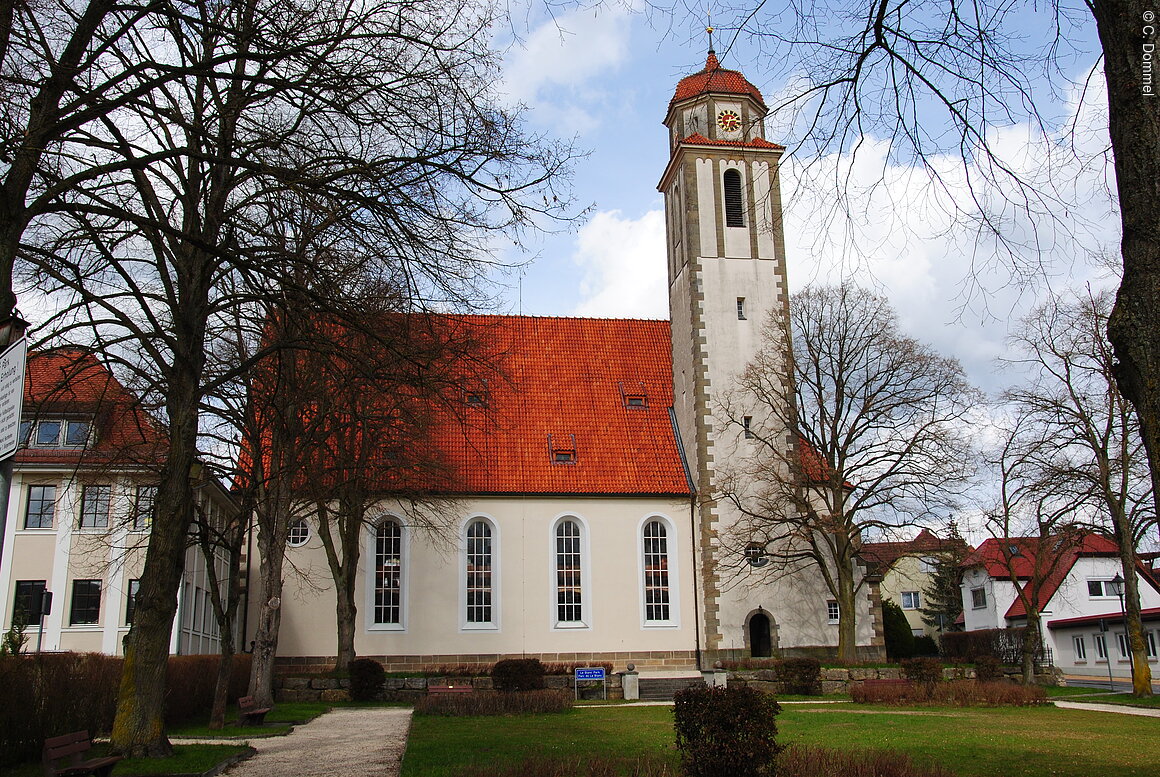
{"x":714,"y":78}
{"x":697,"y":139}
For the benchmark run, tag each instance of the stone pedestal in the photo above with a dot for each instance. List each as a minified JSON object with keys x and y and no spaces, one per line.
{"x":630,"y":684}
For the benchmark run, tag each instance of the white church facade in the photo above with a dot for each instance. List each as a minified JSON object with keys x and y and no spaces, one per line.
{"x":584,"y":520}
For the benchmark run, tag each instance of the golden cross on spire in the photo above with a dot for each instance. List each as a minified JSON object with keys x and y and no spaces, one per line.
{"x":709,"y":26}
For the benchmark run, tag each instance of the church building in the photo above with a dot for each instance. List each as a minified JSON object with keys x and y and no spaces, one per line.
{"x":583,"y":509}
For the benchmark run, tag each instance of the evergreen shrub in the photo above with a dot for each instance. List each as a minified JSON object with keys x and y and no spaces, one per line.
{"x":366,"y":679}
{"x":925,"y":646}
{"x":896,"y":632}
{"x":801,"y":675}
{"x":518,"y":674}
{"x":726,"y":732}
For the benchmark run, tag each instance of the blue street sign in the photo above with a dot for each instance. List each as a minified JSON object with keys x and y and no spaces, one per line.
{"x":590,"y":674}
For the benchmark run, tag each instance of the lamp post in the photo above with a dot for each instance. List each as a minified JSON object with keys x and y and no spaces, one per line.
{"x":1117,"y":585}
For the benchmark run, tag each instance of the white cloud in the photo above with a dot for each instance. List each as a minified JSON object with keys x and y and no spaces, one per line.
{"x":623,"y":266}
{"x":557,"y":70}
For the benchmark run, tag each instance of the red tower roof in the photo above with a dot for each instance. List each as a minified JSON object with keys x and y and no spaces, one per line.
{"x":717,"y":80}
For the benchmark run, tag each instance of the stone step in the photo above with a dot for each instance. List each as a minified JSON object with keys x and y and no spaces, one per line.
{"x":663,"y":688}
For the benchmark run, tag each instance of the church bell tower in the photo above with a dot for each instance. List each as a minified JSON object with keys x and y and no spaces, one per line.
{"x":727,"y":275}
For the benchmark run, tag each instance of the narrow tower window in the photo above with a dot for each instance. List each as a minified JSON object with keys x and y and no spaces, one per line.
{"x":734,"y":209}
{"x":741,"y":308}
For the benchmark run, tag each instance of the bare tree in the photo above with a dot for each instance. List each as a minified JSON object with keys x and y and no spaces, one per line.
{"x":1087,"y":437}
{"x":377,"y":118}
{"x":936,"y":79}
{"x":878,"y":421}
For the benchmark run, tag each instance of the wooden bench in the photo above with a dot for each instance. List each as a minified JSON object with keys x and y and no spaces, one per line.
{"x":435,"y":689}
{"x":72,"y":746}
{"x":250,"y":715}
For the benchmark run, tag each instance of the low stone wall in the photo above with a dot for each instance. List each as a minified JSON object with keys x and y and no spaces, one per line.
{"x":837,"y":680}
{"x":644,"y":660}
{"x":289,"y":688}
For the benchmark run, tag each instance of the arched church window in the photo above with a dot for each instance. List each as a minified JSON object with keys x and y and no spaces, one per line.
{"x":734,"y":204}
{"x":569,"y":583}
{"x":656,"y":572}
{"x":479,"y":572}
{"x":388,"y":606}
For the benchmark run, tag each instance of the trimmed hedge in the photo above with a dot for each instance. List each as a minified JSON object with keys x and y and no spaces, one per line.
{"x":518,"y":674}
{"x":493,"y":703}
{"x":50,"y":694}
{"x":366,"y":679}
{"x":956,"y":693}
{"x":1004,"y":645}
{"x":726,"y":732}
{"x":923,"y":670}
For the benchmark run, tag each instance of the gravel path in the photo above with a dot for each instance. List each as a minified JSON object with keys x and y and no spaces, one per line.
{"x":351,"y":743}
{"x":1122,"y":709}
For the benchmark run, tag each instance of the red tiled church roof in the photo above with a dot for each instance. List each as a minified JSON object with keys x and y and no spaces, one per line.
{"x":71,"y":383}
{"x":714,"y":78}
{"x":697,"y":139}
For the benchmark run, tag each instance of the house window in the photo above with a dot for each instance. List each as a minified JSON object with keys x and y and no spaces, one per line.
{"x":910,"y":600}
{"x":656,"y":572}
{"x":388,"y":606}
{"x":29,"y":595}
{"x":86,"y":603}
{"x":978,"y":598}
{"x":635,"y":401}
{"x":1100,"y":589}
{"x":143,"y":503}
{"x":131,"y":601}
{"x":76,"y":434}
{"x":48,"y":433}
{"x":1101,"y":643}
{"x":747,"y":426}
{"x":734,"y":208}
{"x":1122,"y":644}
{"x":299,"y":534}
{"x":56,"y":433}
{"x":479,"y":572}
{"x":569,"y":583}
{"x":95,"y":506}
{"x":1080,"y":648}
{"x":41,"y":506}
{"x":1150,"y":643}
{"x":928,"y":565}
{"x":741,"y":308}
{"x":833,"y":614}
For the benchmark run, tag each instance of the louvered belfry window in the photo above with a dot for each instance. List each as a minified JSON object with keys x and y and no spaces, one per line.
{"x":734,"y":204}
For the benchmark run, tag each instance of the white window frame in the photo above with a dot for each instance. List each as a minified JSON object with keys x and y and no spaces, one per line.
{"x":833,"y":611}
{"x":101,"y":521}
{"x":1100,"y":641}
{"x":672,"y":551}
{"x":915,"y":600}
{"x":1150,"y":644}
{"x":293,"y":541}
{"x":1079,"y":647}
{"x":1103,"y":581}
{"x":494,"y":623}
{"x":1122,"y":645}
{"x":586,"y":610}
{"x":404,"y":577}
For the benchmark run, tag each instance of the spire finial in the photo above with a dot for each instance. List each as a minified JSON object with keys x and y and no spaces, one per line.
{"x":709,"y":25}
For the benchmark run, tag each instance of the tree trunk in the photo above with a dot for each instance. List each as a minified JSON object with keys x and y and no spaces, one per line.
{"x":346,"y":613}
{"x":847,"y":617}
{"x":221,"y":688}
{"x":271,"y":546}
{"x":1141,"y":672}
{"x":1134,"y":126}
{"x":139,"y":726}
{"x":1031,"y":644}
{"x":225,"y":612}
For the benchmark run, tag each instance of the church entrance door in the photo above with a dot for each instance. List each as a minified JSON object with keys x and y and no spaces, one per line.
{"x":760,"y":644}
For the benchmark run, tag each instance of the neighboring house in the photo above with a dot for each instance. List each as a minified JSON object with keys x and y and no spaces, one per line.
{"x":1074,"y":594}
{"x":906,"y":568}
{"x":80,"y":506}
{"x":584,"y":527}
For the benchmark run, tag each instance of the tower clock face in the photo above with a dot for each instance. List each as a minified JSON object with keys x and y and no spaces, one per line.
{"x":729,"y":121}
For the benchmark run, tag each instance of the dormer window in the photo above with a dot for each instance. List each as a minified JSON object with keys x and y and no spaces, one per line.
{"x":634,"y":397}
{"x":475,"y":399}
{"x":477,"y":394}
{"x":54,"y":433}
{"x":562,"y":448}
{"x":635,"y":401}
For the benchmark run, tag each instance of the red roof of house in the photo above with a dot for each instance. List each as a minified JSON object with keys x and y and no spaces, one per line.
{"x":714,"y":78}
{"x":71,"y":383}
{"x":1053,"y":565}
{"x":1147,"y":614}
{"x":883,"y":554}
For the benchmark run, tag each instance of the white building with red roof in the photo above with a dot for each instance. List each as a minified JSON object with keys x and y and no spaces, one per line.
{"x":583,"y":481}
{"x":1069,"y":581}
{"x":80,"y":505}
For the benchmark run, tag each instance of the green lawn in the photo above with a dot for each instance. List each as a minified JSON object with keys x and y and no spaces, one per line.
{"x":186,"y":759}
{"x":988,"y":742}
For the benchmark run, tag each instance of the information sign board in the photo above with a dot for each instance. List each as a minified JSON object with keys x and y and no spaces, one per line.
{"x":11,"y":396}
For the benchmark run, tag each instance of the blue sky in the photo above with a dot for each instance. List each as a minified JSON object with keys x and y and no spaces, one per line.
{"x":605,"y":77}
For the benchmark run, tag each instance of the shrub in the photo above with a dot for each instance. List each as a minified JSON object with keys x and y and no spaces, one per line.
{"x":518,"y":674}
{"x":726,"y":732}
{"x":958,"y":693}
{"x":925,"y":646}
{"x":923,"y":670}
{"x":803,"y":761}
{"x":988,"y":669}
{"x":493,"y":703}
{"x":896,"y":632}
{"x":366,"y":679}
{"x":1005,"y":645}
{"x":801,"y":675}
